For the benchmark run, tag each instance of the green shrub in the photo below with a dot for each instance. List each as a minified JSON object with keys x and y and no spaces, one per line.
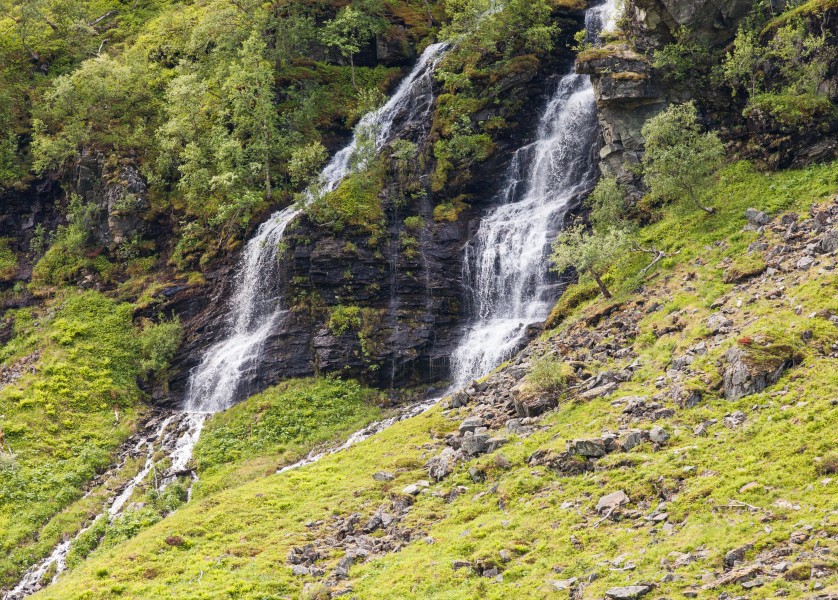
{"x":548,"y":374}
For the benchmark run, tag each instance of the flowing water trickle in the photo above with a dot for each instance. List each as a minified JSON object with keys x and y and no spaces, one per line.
{"x":506,"y":264}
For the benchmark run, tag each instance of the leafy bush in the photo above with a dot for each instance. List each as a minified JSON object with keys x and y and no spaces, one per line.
{"x":549,"y":374}
{"x":344,"y":318}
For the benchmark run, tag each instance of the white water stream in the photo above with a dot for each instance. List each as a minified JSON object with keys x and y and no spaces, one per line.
{"x":505,"y":267}
{"x":506,"y":264}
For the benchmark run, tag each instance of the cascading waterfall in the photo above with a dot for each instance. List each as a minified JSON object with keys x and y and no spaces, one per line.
{"x":255,"y":310}
{"x":256,"y":306}
{"x":506,"y":267}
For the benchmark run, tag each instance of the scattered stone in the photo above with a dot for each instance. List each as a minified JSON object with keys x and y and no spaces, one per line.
{"x":593,"y":448}
{"x":753,"y":583}
{"x":805,"y":263}
{"x":718,"y":323}
{"x":633,"y":438}
{"x":471,"y":424}
{"x":737,"y":555}
{"x":442,"y":466}
{"x":563,"y":584}
{"x":756,"y":219}
{"x":415,"y":488}
{"x":342,"y":570}
{"x":383,"y":476}
{"x":612,"y":501}
{"x":628,"y":592}
{"x":461,"y":564}
{"x":734,"y":420}
{"x":658,"y":434}
{"x":599,"y":391}
{"x":798,"y":537}
{"x":475,"y":444}
{"x":300,"y":570}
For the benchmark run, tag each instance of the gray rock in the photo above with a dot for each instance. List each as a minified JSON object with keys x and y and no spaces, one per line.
{"x":494,"y":443}
{"x":632,"y":439}
{"x":599,"y":391}
{"x":476,"y":444}
{"x":628,"y":592}
{"x":718,"y":323}
{"x":734,"y":420}
{"x":471,"y":424}
{"x":658,"y":434}
{"x":804,"y":263}
{"x":383,"y":476}
{"x":829,"y":241}
{"x":593,"y":448}
{"x":415,"y":488}
{"x":612,"y":501}
{"x":300,"y":570}
{"x":756,"y":218}
{"x":442,"y":466}
{"x":563,"y":584}
{"x":737,"y":555}
{"x":744,"y":376}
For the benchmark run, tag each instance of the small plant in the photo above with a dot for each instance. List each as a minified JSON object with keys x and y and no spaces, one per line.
{"x":549,"y":375}
{"x":828,"y":465}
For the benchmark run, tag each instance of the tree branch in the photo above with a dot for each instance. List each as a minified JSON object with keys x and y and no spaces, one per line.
{"x":659,"y":256}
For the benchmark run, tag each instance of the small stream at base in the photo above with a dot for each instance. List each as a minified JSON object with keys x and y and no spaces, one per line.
{"x":505,"y":267}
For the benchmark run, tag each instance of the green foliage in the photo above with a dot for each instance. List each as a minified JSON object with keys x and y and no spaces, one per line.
{"x":590,"y":254}
{"x":351,"y":29}
{"x":158,"y":344}
{"x":8,"y":260}
{"x":683,"y":59}
{"x":59,"y":423}
{"x":680,"y":160}
{"x":548,"y":374}
{"x":279,"y":425}
{"x":355,"y":203}
{"x":782,"y":70}
{"x":68,"y":255}
{"x":608,"y":205}
{"x":343,"y":319}
{"x":305,"y":162}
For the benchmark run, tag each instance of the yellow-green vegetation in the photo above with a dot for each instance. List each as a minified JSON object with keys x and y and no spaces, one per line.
{"x":752,"y":484}
{"x":8,"y":261}
{"x":70,"y":400}
{"x":278,"y":427}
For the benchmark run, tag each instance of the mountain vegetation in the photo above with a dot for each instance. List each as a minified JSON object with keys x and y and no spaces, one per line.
{"x":667,"y":432}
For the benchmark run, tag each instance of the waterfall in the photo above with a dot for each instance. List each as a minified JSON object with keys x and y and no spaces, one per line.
{"x":256,"y":306}
{"x":506,"y":266}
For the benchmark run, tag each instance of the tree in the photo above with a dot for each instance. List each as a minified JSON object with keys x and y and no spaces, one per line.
{"x":250,"y":87}
{"x":349,"y":31}
{"x":590,"y":253}
{"x":680,"y":159}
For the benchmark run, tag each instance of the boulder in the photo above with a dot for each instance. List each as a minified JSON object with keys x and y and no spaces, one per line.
{"x":628,"y":592}
{"x":612,"y":501}
{"x":751,"y":370}
{"x":442,"y":466}
{"x":658,"y":434}
{"x":593,"y":448}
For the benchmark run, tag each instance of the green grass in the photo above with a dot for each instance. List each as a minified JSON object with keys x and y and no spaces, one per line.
{"x":58,"y":424}
{"x":236,"y":541}
{"x":278,"y":427}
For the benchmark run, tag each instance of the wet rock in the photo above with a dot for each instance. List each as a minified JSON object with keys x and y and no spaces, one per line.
{"x":612,"y":501}
{"x":628,"y":592}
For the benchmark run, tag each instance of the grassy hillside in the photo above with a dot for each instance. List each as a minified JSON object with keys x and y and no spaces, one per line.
{"x":756,"y":474}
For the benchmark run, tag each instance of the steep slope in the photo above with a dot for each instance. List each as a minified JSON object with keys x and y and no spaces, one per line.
{"x":666,"y":463}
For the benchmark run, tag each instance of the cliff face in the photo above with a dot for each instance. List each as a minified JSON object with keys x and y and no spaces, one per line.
{"x":630,"y":90}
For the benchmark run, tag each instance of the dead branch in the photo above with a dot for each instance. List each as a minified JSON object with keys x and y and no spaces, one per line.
{"x":658,"y":254}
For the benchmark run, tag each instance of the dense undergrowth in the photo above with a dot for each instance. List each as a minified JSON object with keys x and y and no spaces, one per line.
{"x":236,"y":541}
{"x":70,"y":398}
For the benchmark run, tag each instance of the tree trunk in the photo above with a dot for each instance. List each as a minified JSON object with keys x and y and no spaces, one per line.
{"x":708,"y":209}
{"x":352,"y":65}
{"x":430,"y":15}
{"x":601,"y":285}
